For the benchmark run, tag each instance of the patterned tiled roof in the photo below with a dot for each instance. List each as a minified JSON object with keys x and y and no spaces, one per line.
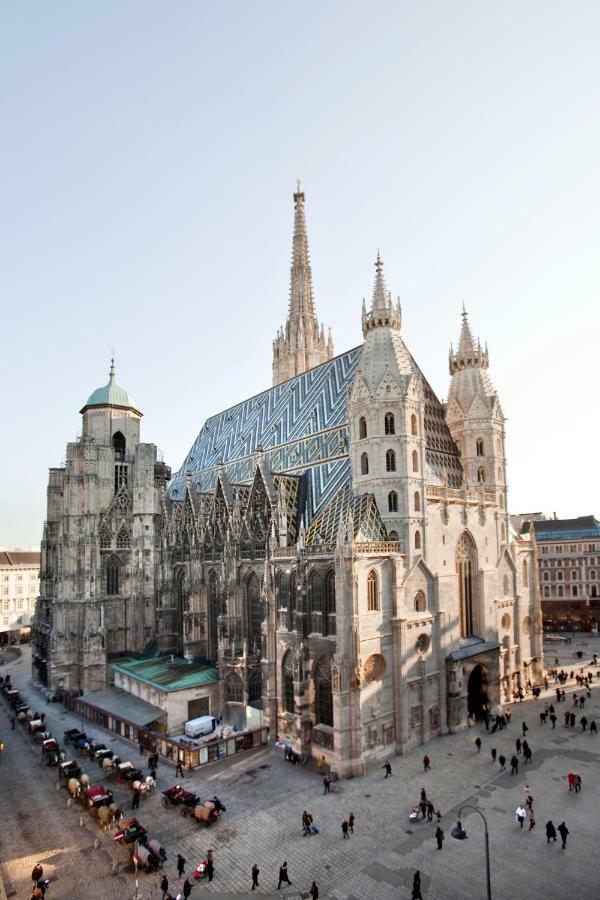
{"x":366,"y":521}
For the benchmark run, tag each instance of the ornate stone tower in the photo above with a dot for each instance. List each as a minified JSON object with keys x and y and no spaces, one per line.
{"x":386,"y":418}
{"x":476,"y":421}
{"x":300,"y":344}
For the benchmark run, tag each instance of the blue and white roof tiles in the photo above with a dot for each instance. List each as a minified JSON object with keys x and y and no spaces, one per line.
{"x":300,"y":427}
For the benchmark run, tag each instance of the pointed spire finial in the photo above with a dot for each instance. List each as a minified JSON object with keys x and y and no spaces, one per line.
{"x":112,"y":363}
{"x":378,"y":262}
{"x":464,"y":310}
{"x":298,"y":186}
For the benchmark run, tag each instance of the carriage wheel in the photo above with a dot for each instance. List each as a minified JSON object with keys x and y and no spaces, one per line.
{"x":184,"y":811}
{"x":165,"y":802}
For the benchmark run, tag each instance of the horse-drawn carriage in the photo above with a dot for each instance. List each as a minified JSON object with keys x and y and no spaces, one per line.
{"x":50,"y":752}
{"x":127,"y":772}
{"x":22,"y":712}
{"x":69,"y":769}
{"x":101,"y":754}
{"x":97,"y":796}
{"x":36,"y":725}
{"x":75,"y":737}
{"x":149,"y":856}
{"x":204,"y":813}
{"x":130,"y":831}
{"x":176,"y":796}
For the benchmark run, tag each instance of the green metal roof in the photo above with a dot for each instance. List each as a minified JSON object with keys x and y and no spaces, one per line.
{"x":111,"y":394}
{"x":160,"y":673}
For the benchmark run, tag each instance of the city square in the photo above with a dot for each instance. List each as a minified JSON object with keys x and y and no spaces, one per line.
{"x":265,"y":797}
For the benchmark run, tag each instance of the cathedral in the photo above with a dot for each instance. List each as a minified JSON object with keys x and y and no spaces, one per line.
{"x":336,"y":549}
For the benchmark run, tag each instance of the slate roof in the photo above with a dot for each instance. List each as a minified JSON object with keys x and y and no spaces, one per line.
{"x":582,"y":528}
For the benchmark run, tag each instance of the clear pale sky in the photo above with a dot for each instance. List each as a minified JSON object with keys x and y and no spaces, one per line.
{"x":148,"y":157}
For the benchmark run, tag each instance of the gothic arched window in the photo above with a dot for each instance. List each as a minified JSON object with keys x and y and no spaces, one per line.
{"x":372,"y":591}
{"x":233,"y":689}
{"x":282,"y":597}
{"x":390,"y":461}
{"x":393,"y":501}
{"x":253,"y":612}
{"x":415,"y":461}
{"x":119,"y":445}
{"x":105,"y":537}
{"x":466,"y":567}
{"x":315,"y":602}
{"x":329,"y":617}
{"x":417,"y":540}
{"x":123,"y":541}
{"x":287,"y":672}
{"x":420,"y":602}
{"x":390,"y":425}
{"x":213,"y":612}
{"x":479,"y":447}
{"x":364,"y":464}
{"x":255,"y":689}
{"x":323,"y":695}
{"x":292,"y":602}
{"x":481,"y":475}
{"x":413,"y":424}
{"x":417,"y":501}
{"x":393,"y":535}
{"x":112,"y":577}
{"x":362,"y":427}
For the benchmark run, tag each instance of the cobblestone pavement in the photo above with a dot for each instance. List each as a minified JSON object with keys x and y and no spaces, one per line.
{"x":265,"y":797}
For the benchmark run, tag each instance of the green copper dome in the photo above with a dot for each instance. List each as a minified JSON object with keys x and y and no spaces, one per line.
{"x":111,"y":394}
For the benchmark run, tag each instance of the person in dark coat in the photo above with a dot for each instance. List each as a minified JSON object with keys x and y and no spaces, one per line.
{"x":283,"y":875}
{"x":164,"y":886}
{"x":388,"y":769}
{"x":135,"y":803}
{"x":416,"y":888}
{"x":255,"y":874}
{"x":210,"y":866}
{"x":327,"y":784}
{"x":345,"y":834}
{"x":179,"y":770}
{"x":563,"y":831}
{"x":187,"y":888}
{"x":553,"y":720}
{"x":180,"y":865}
{"x":593,"y":727}
{"x":478,"y":744}
{"x":493,"y":752}
{"x":518,"y":745}
{"x":550,"y":832}
{"x":314,"y":891}
{"x":439,"y":836}
{"x":514,"y":766}
{"x":502,"y":761}
{"x":351,"y":822}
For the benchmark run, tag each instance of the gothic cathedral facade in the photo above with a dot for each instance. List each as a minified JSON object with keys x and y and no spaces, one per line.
{"x":339,"y":546}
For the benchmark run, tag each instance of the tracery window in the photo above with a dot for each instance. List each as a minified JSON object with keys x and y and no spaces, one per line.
{"x":255,"y":690}
{"x":253,"y":612}
{"x":417,"y":540}
{"x":119,"y":445}
{"x":364,"y":464}
{"x":393,"y":501}
{"x":415,"y":461}
{"x":329,"y":620}
{"x":105,"y":537}
{"x":323,"y":695}
{"x":466,"y":567}
{"x":234,"y":689}
{"x":362,"y":427}
{"x":393,"y":535}
{"x":417,"y":501}
{"x":315,"y":602}
{"x":390,"y":461}
{"x":413,"y":424}
{"x":390,"y":425}
{"x":287,"y":668}
{"x":123,"y":540}
{"x":481,"y":475}
{"x":112,"y":578}
{"x":213,"y":612}
{"x":420,"y":602}
{"x":372,"y":591}
{"x":292,"y":602}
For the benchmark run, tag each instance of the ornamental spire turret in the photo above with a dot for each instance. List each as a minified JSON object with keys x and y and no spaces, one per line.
{"x":382,"y":312}
{"x":301,"y":344}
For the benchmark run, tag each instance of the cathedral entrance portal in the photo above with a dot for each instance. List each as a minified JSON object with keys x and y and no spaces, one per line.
{"x":478,"y":692}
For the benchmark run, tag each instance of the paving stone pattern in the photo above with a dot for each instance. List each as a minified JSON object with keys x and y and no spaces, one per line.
{"x":265,"y":797}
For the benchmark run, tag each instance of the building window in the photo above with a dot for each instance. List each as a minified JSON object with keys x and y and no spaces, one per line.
{"x":594,"y":591}
{"x":293,"y":602}
{"x":481,"y":475}
{"x":393,"y":535}
{"x":287,"y":668}
{"x":417,"y":540}
{"x":561,"y":591}
{"x":119,"y":445}
{"x":593,"y":574}
{"x":546,"y":576}
{"x":315,"y":602}
{"x":112,"y":579}
{"x":329,"y":625}
{"x":253,"y":612}
{"x":123,"y":538}
{"x":505,"y":585}
{"x":574,"y":590}
{"x":420,"y":602}
{"x":417,"y":501}
{"x":105,"y":537}
{"x":198,"y":708}
{"x":466,"y":567}
{"x":413,"y":424}
{"x":362,"y":427}
{"x":559,"y":576}
{"x":234,"y":689}
{"x":390,"y":461}
{"x":415,"y":461}
{"x":213,"y":612}
{"x":255,"y":689}
{"x":364,"y":464}
{"x":479,"y":447}
{"x":392,"y":501}
{"x":372,"y":591}
{"x":390,"y":426}
{"x":546,"y":591}
{"x":120,"y":477}
{"x":323,"y":695}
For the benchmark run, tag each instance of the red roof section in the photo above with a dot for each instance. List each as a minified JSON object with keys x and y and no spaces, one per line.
{"x":19,"y":558}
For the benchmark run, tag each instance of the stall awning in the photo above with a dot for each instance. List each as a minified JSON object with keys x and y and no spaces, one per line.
{"x":122,"y":705}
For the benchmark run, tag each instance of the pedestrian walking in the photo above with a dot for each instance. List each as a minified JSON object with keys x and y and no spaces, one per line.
{"x":187,"y":888}
{"x":567,"y":718}
{"x":478,"y":744}
{"x":164,"y":886}
{"x":518,"y":745}
{"x":135,"y":803}
{"x":581,"y":702}
{"x":179,"y":770}
{"x":583,"y":722}
{"x":283,"y":875}
{"x":12,"y":722}
{"x":439,"y":836}
{"x":528,"y":797}
{"x":493,"y":752}
{"x":572,"y":718}
{"x":426,"y":763}
{"x":577,"y":782}
{"x":571,"y":780}
{"x":210,"y":866}
{"x":345,"y":834}
{"x":525,"y":728}
{"x":531,"y":818}
{"x":550,"y":832}
{"x":180,"y":865}
{"x":553,"y":720}
{"x":514,"y":766}
{"x":563,"y":831}
{"x":593,"y":728}
{"x":351,"y":822}
{"x":520,"y":815}
{"x":430,"y":811}
{"x":314,"y":891}
{"x":502,"y":761}
{"x":327,"y":784}
{"x":388,"y":769}
{"x":255,"y":874}
{"x":416,"y":888}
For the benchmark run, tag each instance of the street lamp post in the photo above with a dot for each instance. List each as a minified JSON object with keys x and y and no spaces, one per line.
{"x":461,"y":835}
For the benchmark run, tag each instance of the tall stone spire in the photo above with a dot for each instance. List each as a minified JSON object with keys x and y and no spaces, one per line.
{"x":382,"y":312}
{"x":301,"y":343}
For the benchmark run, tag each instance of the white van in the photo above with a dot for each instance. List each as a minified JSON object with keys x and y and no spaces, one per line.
{"x":196,"y":728}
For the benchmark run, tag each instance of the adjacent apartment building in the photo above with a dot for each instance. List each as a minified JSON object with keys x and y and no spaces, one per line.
{"x":569,"y":572}
{"x":19,"y":589}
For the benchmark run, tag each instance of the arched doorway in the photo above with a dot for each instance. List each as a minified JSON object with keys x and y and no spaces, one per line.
{"x":478,"y":702}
